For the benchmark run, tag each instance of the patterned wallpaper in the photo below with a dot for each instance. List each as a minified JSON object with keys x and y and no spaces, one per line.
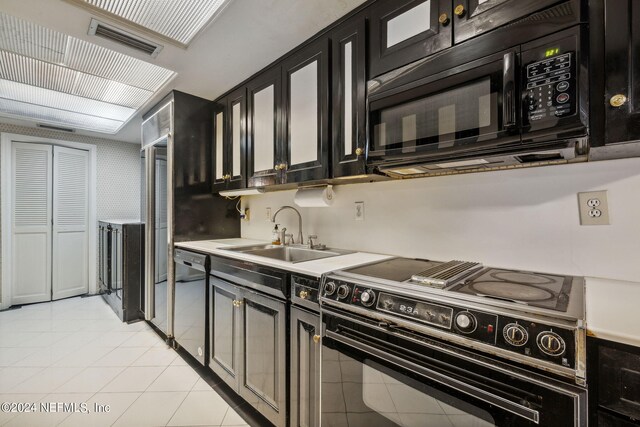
{"x":118,"y":174}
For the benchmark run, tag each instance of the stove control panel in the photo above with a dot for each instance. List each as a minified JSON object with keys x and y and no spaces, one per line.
{"x":471,"y":324}
{"x":555,"y":345}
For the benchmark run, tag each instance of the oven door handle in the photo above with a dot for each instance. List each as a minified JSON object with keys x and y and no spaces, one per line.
{"x":509,"y":104}
{"x":507,"y":405}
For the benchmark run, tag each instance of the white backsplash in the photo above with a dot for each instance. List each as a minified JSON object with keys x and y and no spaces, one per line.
{"x":524,"y":218}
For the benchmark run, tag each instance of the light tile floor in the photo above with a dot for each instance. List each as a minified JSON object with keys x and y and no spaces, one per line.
{"x":77,"y":351}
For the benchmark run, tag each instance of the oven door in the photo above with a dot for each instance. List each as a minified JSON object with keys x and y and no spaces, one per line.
{"x":373,"y":376}
{"x":468,"y":108}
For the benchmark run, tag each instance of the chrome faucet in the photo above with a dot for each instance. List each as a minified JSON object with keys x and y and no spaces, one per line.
{"x":273,"y":219}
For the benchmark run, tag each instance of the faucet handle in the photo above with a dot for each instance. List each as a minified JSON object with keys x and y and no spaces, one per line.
{"x":310,"y":238}
{"x":288,"y":239}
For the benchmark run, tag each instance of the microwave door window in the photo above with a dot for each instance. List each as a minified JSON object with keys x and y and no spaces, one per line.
{"x":457,"y":116}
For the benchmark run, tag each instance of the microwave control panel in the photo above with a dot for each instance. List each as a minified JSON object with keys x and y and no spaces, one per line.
{"x":550,"y":87}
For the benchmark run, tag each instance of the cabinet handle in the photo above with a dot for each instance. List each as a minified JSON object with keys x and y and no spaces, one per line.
{"x":618,"y":100}
{"x":316,"y":339}
{"x":283,"y":166}
{"x":226,"y":177}
{"x":304,"y":294}
{"x":237,"y":303}
{"x":359,"y":151}
{"x":276,"y":167}
{"x":459,"y":10}
{"x":444,"y":19}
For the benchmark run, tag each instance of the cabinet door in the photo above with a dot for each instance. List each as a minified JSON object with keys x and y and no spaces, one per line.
{"x":306,"y":94}
{"x":305,"y":369}
{"x":348,"y":74}
{"x":219,"y":158}
{"x":473,"y":17}
{"x":407,"y":30}
{"x":264,"y":341}
{"x":264,"y":128}
{"x":236,"y":139}
{"x":622,"y":70}
{"x":224,"y":316}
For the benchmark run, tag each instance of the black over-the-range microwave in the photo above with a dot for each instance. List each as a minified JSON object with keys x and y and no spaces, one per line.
{"x":484,"y":104}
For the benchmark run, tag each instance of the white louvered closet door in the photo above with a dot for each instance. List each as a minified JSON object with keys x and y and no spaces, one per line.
{"x":70,"y":222}
{"x":31,"y":210}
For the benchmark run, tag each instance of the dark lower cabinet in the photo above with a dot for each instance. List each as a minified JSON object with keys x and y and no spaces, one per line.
{"x":305,"y":368}
{"x":348,"y":74}
{"x":614,"y":383}
{"x":622,"y":70}
{"x":407,"y":30}
{"x":248,"y":347}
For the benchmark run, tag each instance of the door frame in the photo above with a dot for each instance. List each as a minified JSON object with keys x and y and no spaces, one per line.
{"x":6,"y":141}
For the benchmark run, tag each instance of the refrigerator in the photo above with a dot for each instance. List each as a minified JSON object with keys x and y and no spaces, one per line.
{"x":177,"y":197}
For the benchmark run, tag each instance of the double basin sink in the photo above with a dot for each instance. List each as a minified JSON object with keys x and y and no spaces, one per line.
{"x":292,"y":254}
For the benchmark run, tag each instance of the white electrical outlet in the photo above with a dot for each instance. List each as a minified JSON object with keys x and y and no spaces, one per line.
{"x":359,"y":211}
{"x":594,"y":209}
{"x":268,"y":213}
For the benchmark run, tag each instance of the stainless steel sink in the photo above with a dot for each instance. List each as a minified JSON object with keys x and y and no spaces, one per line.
{"x":292,"y":254}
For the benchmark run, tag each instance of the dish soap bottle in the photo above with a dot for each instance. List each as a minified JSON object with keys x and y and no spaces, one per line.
{"x":275,"y":236}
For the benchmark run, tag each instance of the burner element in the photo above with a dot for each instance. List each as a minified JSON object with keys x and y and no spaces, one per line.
{"x":523,"y":278}
{"x":511,"y":291}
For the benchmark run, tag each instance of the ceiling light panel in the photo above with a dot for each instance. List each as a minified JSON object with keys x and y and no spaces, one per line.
{"x":177,"y":20}
{"x":53,"y":99}
{"x":91,"y":87}
{"x":37,"y":73}
{"x":32,"y":40}
{"x":22,"y":110}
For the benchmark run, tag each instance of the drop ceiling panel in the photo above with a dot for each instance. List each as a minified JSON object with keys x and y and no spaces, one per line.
{"x":54,"y":116}
{"x":112,"y":65}
{"x":177,"y":20}
{"x":51,"y":77}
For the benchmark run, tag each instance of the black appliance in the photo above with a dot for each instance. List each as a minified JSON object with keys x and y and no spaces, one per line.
{"x":190,"y":303}
{"x":490,"y":347}
{"x":497,"y":101}
{"x":120,"y":266}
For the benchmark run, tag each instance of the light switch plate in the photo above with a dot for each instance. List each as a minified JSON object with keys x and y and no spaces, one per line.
{"x":594,"y":208}
{"x":359,"y":214}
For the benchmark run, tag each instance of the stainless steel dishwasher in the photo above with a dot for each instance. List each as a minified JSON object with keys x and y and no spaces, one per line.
{"x":190,"y":303}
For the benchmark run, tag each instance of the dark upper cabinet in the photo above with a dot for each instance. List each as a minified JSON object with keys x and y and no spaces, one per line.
{"x":305,"y":107}
{"x":348,"y":77}
{"x":622,"y":70}
{"x":264,"y":130}
{"x":407,"y":30}
{"x":474,"y":17}
{"x":229,"y":141}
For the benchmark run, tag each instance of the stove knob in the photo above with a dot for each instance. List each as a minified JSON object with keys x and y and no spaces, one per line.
{"x":329,"y":288}
{"x":367,"y":298}
{"x":515,"y":334}
{"x":343,"y":291}
{"x":550,"y":343}
{"x":465,"y":322}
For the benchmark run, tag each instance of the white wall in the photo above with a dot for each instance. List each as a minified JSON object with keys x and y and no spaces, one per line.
{"x":118,"y":174}
{"x":524,"y":219}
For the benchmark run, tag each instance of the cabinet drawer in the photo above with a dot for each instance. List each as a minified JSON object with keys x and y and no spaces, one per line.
{"x":304,"y":292}
{"x":267,"y":280}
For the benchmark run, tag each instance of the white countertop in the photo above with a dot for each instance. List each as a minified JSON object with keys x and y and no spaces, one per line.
{"x":613,"y":311}
{"x":612,"y":306}
{"x":313,"y":268}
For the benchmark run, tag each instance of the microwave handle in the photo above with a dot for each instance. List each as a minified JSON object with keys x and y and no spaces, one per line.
{"x":509,"y":91}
